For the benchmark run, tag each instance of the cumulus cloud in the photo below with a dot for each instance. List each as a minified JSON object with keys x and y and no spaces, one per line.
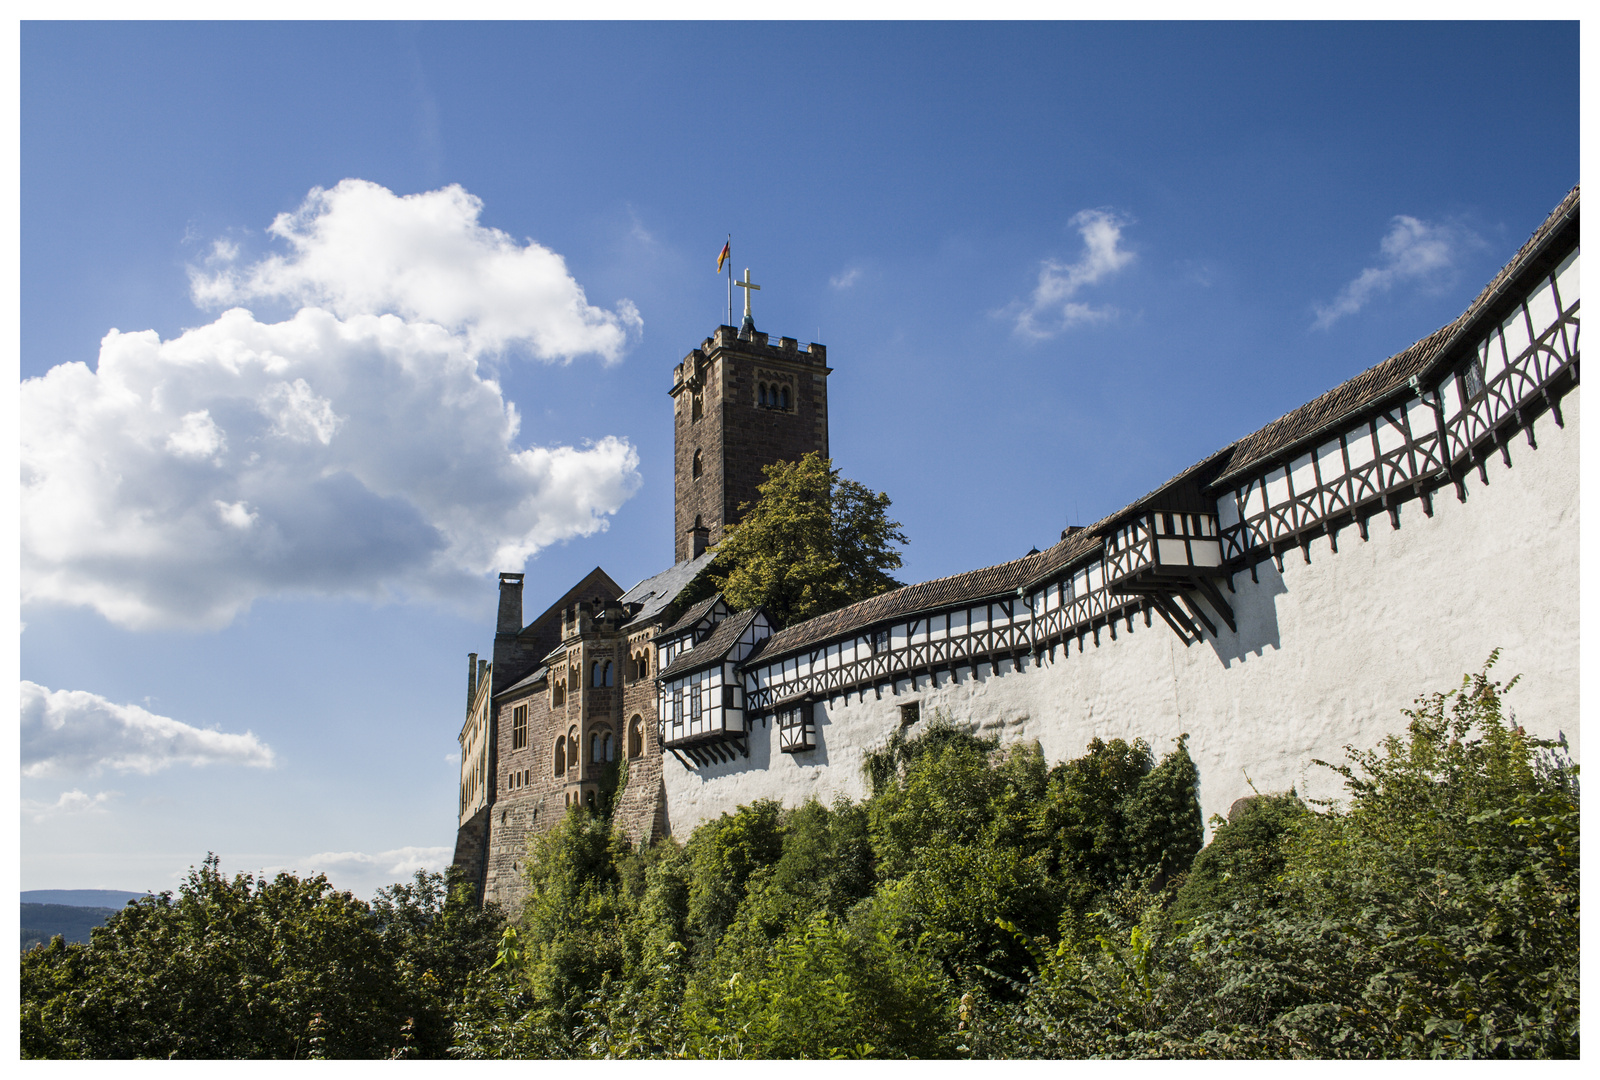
{"x":1411,"y":252}
{"x":74,"y":731}
{"x":70,"y":802}
{"x":337,"y":452}
{"x":1053,"y":307}
{"x":359,"y":249}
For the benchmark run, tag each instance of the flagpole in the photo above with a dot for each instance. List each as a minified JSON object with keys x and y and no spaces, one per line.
{"x":730,"y":279}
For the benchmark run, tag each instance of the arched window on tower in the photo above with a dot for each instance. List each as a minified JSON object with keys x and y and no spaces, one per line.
{"x":572,"y":747}
{"x":561,"y":757}
{"x":761,"y":394}
{"x":783,"y":398}
{"x":608,"y":673}
{"x":636,"y":736}
{"x":694,"y":470}
{"x":608,"y":747}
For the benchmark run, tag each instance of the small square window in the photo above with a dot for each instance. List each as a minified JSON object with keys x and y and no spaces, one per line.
{"x":910,"y":713}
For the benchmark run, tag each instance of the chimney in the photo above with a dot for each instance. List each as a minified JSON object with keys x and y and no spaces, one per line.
{"x":510,"y":621}
{"x":472,"y":680}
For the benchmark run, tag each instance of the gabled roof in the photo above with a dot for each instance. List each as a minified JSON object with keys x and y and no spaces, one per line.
{"x":660,"y":590}
{"x":692,"y":616}
{"x":714,"y":648}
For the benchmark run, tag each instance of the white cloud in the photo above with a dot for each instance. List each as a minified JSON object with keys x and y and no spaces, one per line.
{"x":70,"y":802}
{"x":364,"y":873}
{"x":1413,"y":251}
{"x":1052,"y":307}
{"x":74,"y":731}
{"x":355,"y":454}
{"x":845,"y":278}
{"x":359,"y":249}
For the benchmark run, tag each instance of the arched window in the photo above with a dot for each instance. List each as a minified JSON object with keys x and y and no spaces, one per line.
{"x":636,"y":736}
{"x":761,"y":394}
{"x":609,"y":746}
{"x":594,"y":674}
{"x":608,"y":673}
{"x":783,"y":398}
{"x":572,"y":748}
{"x":561,"y":757}
{"x":694,"y":470}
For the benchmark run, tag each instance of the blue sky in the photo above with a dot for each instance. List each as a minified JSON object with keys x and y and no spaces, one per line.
{"x":1053,"y":265}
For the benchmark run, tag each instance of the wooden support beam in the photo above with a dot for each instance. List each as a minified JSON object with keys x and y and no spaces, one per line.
{"x":1223,"y":608}
{"x":1197,"y":613}
{"x":1177,"y":620}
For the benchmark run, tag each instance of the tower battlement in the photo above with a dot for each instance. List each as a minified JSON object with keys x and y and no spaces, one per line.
{"x":756,"y":344}
{"x":740,"y":402}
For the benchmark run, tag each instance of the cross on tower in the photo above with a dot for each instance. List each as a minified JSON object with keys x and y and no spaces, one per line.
{"x":746,"y":285}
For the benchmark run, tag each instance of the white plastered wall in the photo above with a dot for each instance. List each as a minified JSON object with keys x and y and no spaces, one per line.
{"x":1327,"y":654}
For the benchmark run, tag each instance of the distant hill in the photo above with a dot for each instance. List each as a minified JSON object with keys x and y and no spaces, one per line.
{"x":111,"y":898}
{"x":41,"y":922}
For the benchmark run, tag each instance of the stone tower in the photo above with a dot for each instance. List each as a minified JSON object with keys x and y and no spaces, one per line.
{"x":740,"y":402}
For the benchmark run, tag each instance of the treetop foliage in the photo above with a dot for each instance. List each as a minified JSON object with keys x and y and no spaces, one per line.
{"x":813,"y":543}
{"x":979,"y":903}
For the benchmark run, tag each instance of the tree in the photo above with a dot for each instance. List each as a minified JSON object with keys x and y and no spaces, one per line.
{"x":248,"y":968}
{"x":812,"y":544}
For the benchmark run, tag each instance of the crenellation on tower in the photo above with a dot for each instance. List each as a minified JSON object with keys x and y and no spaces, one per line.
{"x":740,"y":403}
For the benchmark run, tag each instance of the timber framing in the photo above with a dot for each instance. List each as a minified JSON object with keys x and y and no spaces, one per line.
{"x":1399,"y":432}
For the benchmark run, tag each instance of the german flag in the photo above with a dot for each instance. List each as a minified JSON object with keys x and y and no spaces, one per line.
{"x":722,"y":256}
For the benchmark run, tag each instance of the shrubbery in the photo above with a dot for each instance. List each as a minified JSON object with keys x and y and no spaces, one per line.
{"x":976,"y":904}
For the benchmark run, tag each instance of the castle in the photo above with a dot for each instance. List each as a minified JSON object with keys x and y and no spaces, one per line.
{"x":1282,"y":598}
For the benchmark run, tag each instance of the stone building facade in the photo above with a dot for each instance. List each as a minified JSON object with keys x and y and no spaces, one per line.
{"x":739,"y":404}
{"x":1280,"y":599}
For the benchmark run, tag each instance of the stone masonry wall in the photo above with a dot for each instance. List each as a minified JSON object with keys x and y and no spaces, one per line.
{"x":734,"y":435}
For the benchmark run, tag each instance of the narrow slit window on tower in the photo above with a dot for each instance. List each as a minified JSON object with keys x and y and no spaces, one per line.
{"x":636,"y":736}
{"x":694,"y":470}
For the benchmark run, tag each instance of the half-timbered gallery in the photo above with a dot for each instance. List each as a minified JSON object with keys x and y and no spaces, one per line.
{"x":1282,"y":598}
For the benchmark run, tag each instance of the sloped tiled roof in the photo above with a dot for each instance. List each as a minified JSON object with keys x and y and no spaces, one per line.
{"x":1275,"y":439}
{"x":692,"y":616}
{"x":659,"y":590}
{"x":715,"y":647}
{"x":537,"y":676}
{"x":1331,"y":409}
{"x":955,"y":589}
